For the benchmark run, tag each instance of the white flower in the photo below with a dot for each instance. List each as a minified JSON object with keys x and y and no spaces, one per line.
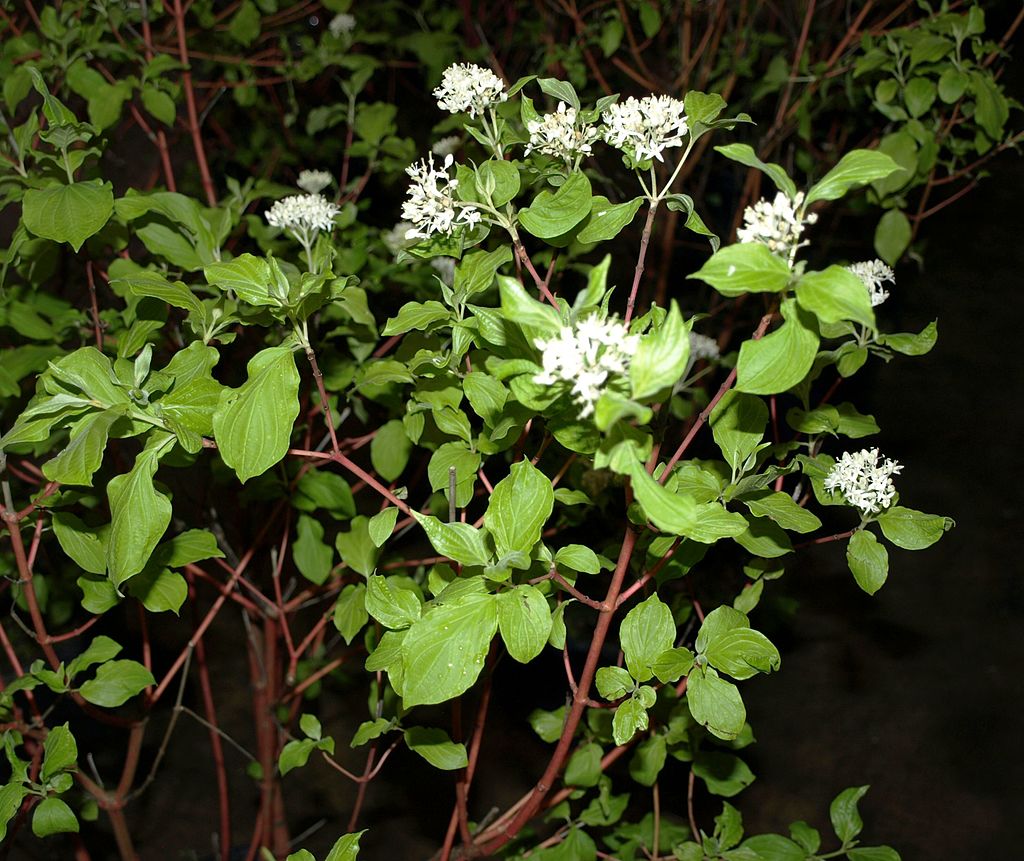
{"x":645,"y":127}
{"x":703,"y":347}
{"x":342,"y":23}
{"x":303,"y":214}
{"x":775,"y":224}
{"x":874,"y":273}
{"x":585,"y":355}
{"x":558,"y":134}
{"x":397,"y":237}
{"x":431,"y":207}
{"x":314,"y":181}
{"x":447,"y":146}
{"x":445,"y":267}
{"x":864,"y":482}
{"x":466,"y":87}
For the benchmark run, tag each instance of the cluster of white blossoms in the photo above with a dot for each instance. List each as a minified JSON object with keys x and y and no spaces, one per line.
{"x":303,"y":214}
{"x":585,"y":355}
{"x":431,"y":207}
{"x":559,"y":134}
{"x":314,"y":181}
{"x":468,"y":88}
{"x":874,"y":273}
{"x":342,"y":23}
{"x":703,"y":347}
{"x":775,"y":224}
{"x":446,"y":146}
{"x":645,"y":126}
{"x":865,"y":482}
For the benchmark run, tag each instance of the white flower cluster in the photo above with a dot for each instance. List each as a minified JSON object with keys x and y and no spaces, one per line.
{"x":303,"y":214}
{"x":342,"y":23}
{"x":864,"y":482}
{"x":585,"y":355}
{"x":646,"y":126}
{"x":468,"y":88}
{"x":703,"y":347}
{"x":874,"y":273}
{"x":559,"y":134}
{"x":775,"y":224}
{"x":431,"y":207}
{"x":314,"y":181}
{"x":396,"y":238}
{"x":446,"y":146}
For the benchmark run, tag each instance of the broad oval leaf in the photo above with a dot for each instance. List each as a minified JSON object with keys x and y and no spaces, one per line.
{"x":68,"y":213}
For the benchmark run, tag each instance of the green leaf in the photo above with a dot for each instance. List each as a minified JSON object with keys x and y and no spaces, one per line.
{"x":519,"y":507}
{"x":647,"y":631}
{"x":775,"y":847}
{"x":744,"y":154}
{"x":245,"y":25}
{"x":356,"y":549}
{"x":742,"y":653}
{"x":843,"y":813}
{"x":834,"y":295}
{"x":295,"y":754}
{"x":737,"y":424}
{"x":672,"y":664}
{"x":61,"y":752}
{"x":311,"y":555}
{"x":584,"y":766}
{"x":780,"y":360}
{"x":116,"y":682}
{"x":436,"y":748}
{"x":913,"y":345}
{"x":502,"y":178}
{"x":855,"y":168}
{"x":11,"y":797}
{"x":389,"y":450}
{"x":681,"y":515}
{"x":457,"y":541}
{"x":443,"y":653}
{"x":561,"y":90}
{"x":381,"y":525}
{"x":781,"y":508}
{"x":991,"y":109}
{"x":578,"y":557}
{"x":607,"y":219}
{"x":158,"y":104}
{"x":485,"y":394}
{"x":701,"y":107}
{"x":85,"y":546}
{"x":868,"y":561}
{"x":144,"y":282}
{"x":648,"y":761}
{"x":68,"y":213}
{"x":253,"y":423}
{"x":100,"y":649}
{"x":192,"y":545}
{"x":892,"y":236}
{"x":613,"y":683}
{"x":394,"y":608}
{"x":548,"y":724}
{"x":726,"y":775}
{"x":715,"y":703}
{"x":247,"y":276}
{"x":416,"y":315}
{"x":524,"y":621}
{"x":466,"y":462}
{"x":475,"y":272}
{"x":919,"y":96}
{"x":346,"y":848}
{"x":371,"y":729}
{"x":912,"y":530}
{"x":661,"y":356}
{"x":159,"y":589}
{"x":53,"y":816}
{"x":630,"y":718}
{"x":139,"y":513}
{"x":536,"y":319}
{"x":350,"y":612}
{"x":551,"y":215}
{"x":873,"y":853}
{"x":745,"y":267}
